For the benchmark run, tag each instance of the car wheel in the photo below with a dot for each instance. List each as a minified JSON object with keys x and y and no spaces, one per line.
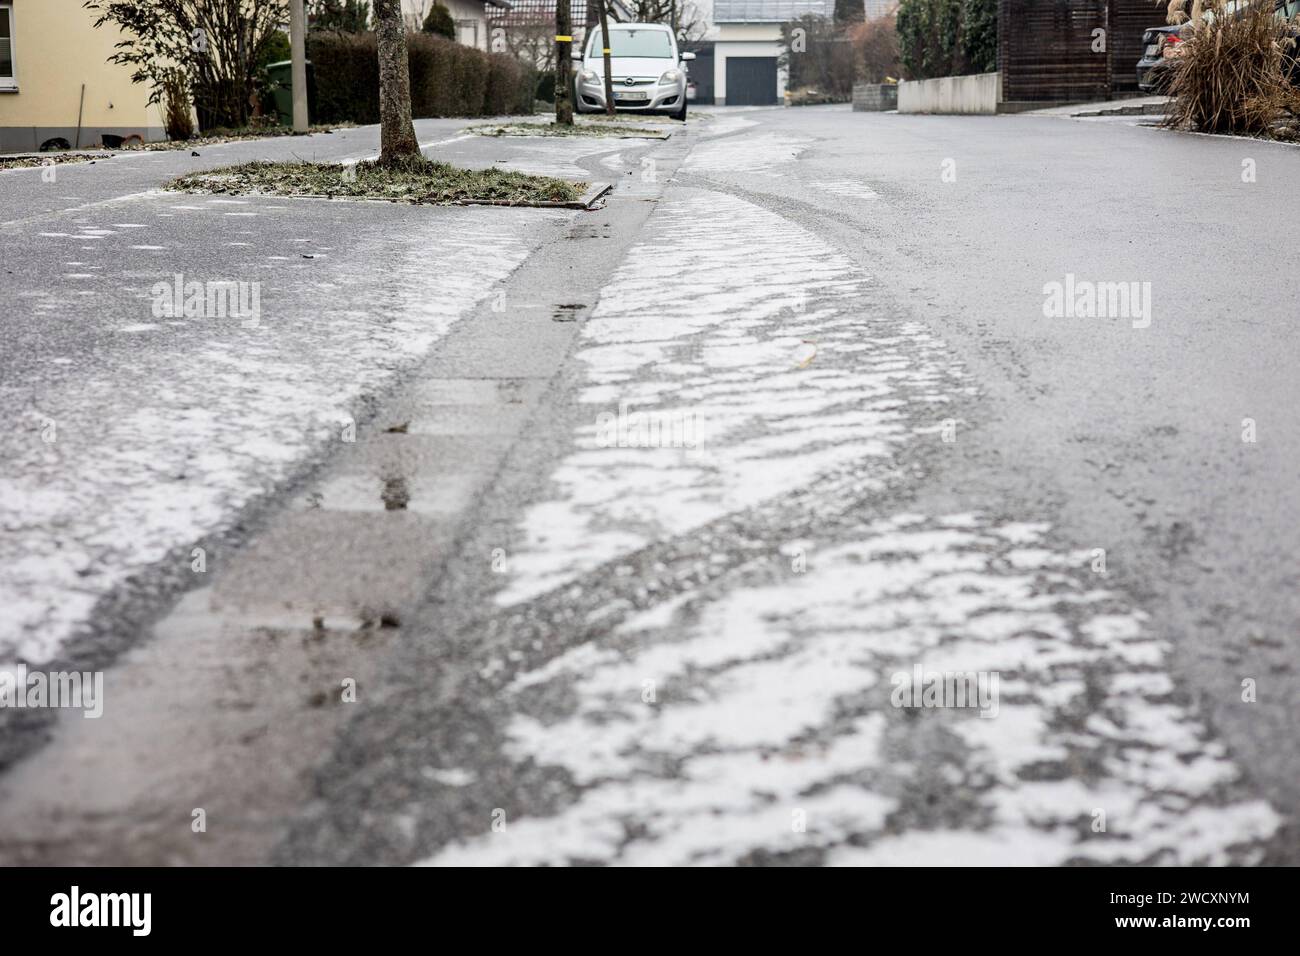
{"x":681,"y":113}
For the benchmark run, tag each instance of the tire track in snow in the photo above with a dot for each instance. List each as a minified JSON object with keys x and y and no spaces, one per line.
{"x":772,"y":688}
{"x":773,"y":699}
{"x":755,"y":334}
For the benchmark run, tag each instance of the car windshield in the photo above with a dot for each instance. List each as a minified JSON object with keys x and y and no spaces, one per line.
{"x":1283,"y":9}
{"x":648,"y":43}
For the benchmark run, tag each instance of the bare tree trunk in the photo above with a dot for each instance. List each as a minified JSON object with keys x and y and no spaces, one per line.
{"x":397,"y":133}
{"x":609,"y":75}
{"x":563,"y":64}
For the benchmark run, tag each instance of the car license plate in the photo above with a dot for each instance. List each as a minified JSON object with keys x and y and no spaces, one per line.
{"x":1152,"y":49}
{"x":631,"y":97}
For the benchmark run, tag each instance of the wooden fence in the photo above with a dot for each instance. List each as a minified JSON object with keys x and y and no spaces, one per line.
{"x":1071,"y":50}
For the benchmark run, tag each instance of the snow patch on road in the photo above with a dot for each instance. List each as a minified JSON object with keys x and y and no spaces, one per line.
{"x":759,"y":153}
{"x":762,"y":721}
{"x":214,"y":424}
{"x":848,"y":187}
{"x":731,"y":324}
{"x":725,"y":124}
{"x":753,"y":718}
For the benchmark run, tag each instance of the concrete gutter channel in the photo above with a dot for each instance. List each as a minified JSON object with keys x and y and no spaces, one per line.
{"x":238,"y":692}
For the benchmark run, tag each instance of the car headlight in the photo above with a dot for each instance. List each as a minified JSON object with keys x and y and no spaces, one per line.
{"x":670,"y":76}
{"x":587,"y":76}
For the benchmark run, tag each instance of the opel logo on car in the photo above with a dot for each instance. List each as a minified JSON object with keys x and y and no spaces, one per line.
{"x":630,"y":81}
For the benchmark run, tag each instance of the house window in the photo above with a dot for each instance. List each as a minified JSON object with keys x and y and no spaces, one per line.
{"x":8,"y":77}
{"x":467,"y":32}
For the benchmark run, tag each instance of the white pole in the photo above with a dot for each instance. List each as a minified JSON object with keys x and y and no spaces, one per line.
{"x":298,"y":51}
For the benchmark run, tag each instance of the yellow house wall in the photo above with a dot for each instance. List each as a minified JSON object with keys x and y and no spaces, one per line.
{"x":56,"y":50}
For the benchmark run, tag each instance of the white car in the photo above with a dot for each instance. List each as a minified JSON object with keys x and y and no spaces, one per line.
{"x":649,"y":73}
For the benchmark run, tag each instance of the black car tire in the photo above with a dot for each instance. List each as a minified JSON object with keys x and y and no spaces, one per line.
{"x":681,"y":113}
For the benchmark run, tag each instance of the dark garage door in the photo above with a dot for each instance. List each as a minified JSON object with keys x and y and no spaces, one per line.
{"x":751,"y":80}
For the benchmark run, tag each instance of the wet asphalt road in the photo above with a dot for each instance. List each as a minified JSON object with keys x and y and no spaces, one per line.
{"x":608,"y":652}
{"x":1129,"y":439}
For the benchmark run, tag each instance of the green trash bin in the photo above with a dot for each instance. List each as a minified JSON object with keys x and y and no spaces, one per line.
{"x":281,"y":77}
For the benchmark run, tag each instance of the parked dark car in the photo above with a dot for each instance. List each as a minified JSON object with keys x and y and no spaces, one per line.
{"x":1156,"y":68}
{"x":1160,"y":51}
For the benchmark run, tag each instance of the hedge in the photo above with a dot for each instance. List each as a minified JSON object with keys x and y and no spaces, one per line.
{"x":447,"y":78}
{"x":947,"y":37}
